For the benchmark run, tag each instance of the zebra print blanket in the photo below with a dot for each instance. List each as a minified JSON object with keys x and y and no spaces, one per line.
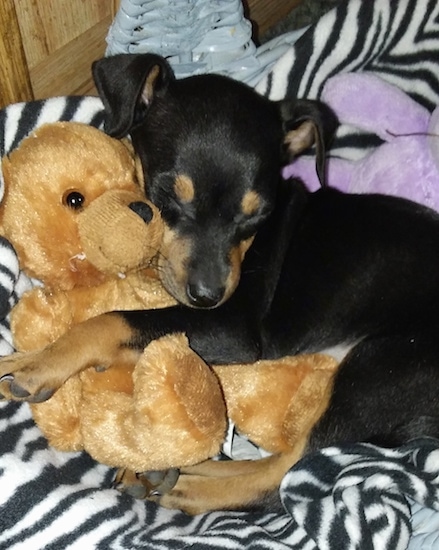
{"x":356,"y":497}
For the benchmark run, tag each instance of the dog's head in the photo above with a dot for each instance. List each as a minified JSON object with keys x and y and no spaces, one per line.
{"x":211,"y":150}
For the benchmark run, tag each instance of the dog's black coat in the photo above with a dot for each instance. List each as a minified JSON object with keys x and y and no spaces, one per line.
{"x":325,"y":269}
{"x":385,"y":393}
{"x":214,"y":131}
{"x":348,"y":268}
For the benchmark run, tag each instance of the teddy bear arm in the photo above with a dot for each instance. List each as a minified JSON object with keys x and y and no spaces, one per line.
{"x":87,"y":302}
{"x":277,"y":416}
{"x":59,"y":417}
{"x":42,"y":316}
{"x":39,"y":318}
{"x":132,"y":291}
{"x":250,"y":404}
{"x":308,"y":405}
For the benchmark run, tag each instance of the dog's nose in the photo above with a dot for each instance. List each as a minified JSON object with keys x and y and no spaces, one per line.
{"x":201,"y":296}
{"x":143,"y":210}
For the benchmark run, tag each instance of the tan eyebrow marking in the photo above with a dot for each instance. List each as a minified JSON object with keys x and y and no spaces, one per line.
{"x":250,"y":203}
{"x":184,"y":188}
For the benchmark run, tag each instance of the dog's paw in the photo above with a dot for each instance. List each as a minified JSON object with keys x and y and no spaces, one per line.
{"x":187,"y":490}
{"x":22,"y":378}
{"x":193,"y":495}
{"x":146,"y":485}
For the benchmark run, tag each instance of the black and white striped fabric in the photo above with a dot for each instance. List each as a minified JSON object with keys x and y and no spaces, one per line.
{"x":361,"y":496}
{"x":394,"y":39}
{"x":356,"y":497}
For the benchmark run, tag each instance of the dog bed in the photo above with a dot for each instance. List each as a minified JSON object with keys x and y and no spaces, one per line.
{"x":355,"y":497}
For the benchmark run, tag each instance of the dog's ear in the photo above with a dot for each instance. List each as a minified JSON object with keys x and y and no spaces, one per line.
{"x":127,"y":83}
{"x":308,"y":123}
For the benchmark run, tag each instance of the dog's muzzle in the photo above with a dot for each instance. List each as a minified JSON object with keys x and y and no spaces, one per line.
{"x":202,"y":296}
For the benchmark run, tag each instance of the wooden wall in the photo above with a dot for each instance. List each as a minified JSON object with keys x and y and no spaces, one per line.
{"x":47,"y":46}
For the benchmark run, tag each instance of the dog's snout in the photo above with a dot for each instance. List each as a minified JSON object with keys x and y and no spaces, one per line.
{"x":143,"y":210}
{"x":202,"y":296}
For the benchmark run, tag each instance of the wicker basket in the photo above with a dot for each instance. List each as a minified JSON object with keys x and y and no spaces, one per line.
{"x":196,"y":36}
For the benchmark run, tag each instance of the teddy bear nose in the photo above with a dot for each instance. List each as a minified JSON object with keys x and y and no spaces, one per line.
{"x":143,"y":210}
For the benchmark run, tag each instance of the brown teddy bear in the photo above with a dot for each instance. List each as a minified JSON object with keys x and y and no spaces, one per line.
{"x":65,"y":182}
{"x":79,"y":223}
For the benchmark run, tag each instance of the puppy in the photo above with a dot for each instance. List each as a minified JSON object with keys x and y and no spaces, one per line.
{"x":262,"y":269}
{"x":211,"y":152}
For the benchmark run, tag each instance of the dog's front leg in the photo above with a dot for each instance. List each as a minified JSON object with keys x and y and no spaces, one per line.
{"x":218,"y":336}
{"x":223,"y":335}
{"x":97,"y":342}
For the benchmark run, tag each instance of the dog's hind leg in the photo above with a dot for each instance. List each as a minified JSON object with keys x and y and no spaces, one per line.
{"x":218,"y":485}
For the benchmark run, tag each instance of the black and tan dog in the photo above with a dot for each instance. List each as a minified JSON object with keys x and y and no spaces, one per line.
{"x":263,"y":269}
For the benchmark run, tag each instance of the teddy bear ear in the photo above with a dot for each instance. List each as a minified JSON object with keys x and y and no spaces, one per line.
{"x":307,"y":123}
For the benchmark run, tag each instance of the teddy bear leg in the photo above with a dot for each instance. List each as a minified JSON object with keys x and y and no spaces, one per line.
{"x":59,"y":417}
{"x":175,"y":415}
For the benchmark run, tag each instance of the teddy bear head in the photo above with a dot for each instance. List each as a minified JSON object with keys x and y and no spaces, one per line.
{"x":68,"y":187}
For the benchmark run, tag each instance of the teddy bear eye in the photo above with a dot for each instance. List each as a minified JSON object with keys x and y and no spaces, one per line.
{"x":73,"y":199}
